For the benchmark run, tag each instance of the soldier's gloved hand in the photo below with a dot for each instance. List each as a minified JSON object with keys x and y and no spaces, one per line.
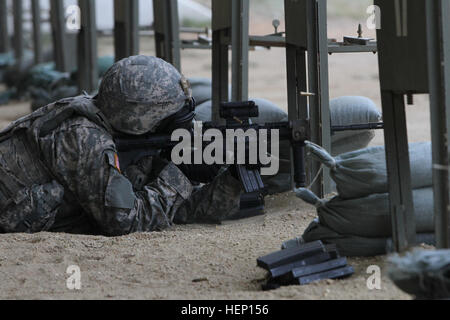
{"x":200,"y":173}
{"x":158,"y":165}
{"x":136,"y":176}
{"x":234,"y":171}
{"x":139,"y":173}
{"x":145,"y":164}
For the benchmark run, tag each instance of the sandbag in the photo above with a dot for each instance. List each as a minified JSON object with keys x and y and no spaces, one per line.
{"x":103,"y":64}
{"x":358,"y":219}
{"x":45,"y":76}
{"x":354,"y":246}
{"x":369,"y":216}
{"x":6,"y":96}
{"x":7,"y":59}
{"x":363,"y":172}
{"x":422,"y":273}
{"x":46,"y":85}
{"x":42,"y":97}
{"x":201,"y":90}
{"x":349,"y":110}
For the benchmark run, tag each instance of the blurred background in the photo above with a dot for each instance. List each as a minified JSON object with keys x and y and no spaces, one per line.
{"x":349,"y":74}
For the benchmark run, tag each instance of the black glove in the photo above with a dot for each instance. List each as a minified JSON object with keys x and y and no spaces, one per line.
{"x":158,"y":165}
{"x":139,"y":173}
{"x":137,"y":177}
{"x":201,"y":173}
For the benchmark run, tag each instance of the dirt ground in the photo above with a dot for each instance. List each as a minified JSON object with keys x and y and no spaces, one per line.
{"x":201,"y":261}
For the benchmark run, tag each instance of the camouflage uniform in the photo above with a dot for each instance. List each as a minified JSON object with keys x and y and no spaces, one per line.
{"x":59,"y":171}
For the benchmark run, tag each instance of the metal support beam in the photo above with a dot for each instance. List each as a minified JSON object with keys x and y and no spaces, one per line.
{"x":403,"y":51}
{"x":296,"y":71}
{"x":220,"y":77}
{"x":126,"y":28}
{"x":4,"y":36}
{"x":306,"y":36}
{"x":58,"y":33}
{"x":221,"y":35}
{"x":317,"y":46}
{"x":18,"y":31}
{"x":167,"y":31}
{"x":296,"y":65}
{"x":239,"y":45}
{"x":398,"y":169}
{"x":37,"y":39}
{"x":87,"y":48}
{"x":230,"y":24}
{"x":438,"y":36}
{"x":323,"y":93}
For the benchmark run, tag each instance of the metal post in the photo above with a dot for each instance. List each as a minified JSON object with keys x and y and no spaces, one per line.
{"x":296,"y":67}
{"x":220,"y":77}
{"x":398,"y":169}
{"x":37,"y":41}
{"x":221,"y":27}
{"x":87,"y":47}
{"x":58,"y":34}
{"x":317,"y":45}
{"x":167,"y":31}
{"x":4,"y":36}
{"x":324,"y":97}
{"x":438,"y":37}
{"x":403,"y":52}
{"x":18,"y":31}
{"x":239,"y":44}
{"x":126,"y":28}
{"x":296,"y":71}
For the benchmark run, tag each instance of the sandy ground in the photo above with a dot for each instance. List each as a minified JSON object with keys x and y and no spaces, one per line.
{"x":198,"y":261}
{"x":187,"y":262}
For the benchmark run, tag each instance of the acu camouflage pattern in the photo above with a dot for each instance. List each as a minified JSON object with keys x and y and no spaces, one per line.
{"x":138,"y":92}
{"x":58,"y":173}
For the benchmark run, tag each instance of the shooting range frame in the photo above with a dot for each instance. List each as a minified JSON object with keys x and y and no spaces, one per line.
{"x":413,"y":59}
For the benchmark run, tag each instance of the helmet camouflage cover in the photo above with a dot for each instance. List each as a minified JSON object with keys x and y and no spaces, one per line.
{"x":138,"y":92}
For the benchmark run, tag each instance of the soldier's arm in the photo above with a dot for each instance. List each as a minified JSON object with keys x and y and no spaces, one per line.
{"x":82,"y":157}
{"x":212,"y":203}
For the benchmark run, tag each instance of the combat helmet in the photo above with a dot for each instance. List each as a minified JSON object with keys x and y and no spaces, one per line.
{"x":138,"y":93}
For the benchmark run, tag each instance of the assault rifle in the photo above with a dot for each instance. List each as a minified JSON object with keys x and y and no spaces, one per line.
{"x":237,"y":115}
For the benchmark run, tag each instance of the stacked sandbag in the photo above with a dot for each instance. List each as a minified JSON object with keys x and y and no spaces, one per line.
{"x":201,"y":89}
{"x":6,"y":60}
{"x":49,"y":85}
{"x":350,"y":110}
{"x":13,"y":76}
{"x":17,"y":76}
{"x":422,"y":273}
{"x":16,"y":73}
{"x":358,"y":219}
{"x":43,"y":83}
{"x":344,"y":111}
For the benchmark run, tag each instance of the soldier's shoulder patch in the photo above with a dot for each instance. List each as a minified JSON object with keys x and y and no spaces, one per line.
{"x":113,"y":159}
{"x":116,"y":161}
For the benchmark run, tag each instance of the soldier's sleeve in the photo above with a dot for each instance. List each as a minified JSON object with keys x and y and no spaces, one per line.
{"x":212,"y":203}
{"x":84,"y":158}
